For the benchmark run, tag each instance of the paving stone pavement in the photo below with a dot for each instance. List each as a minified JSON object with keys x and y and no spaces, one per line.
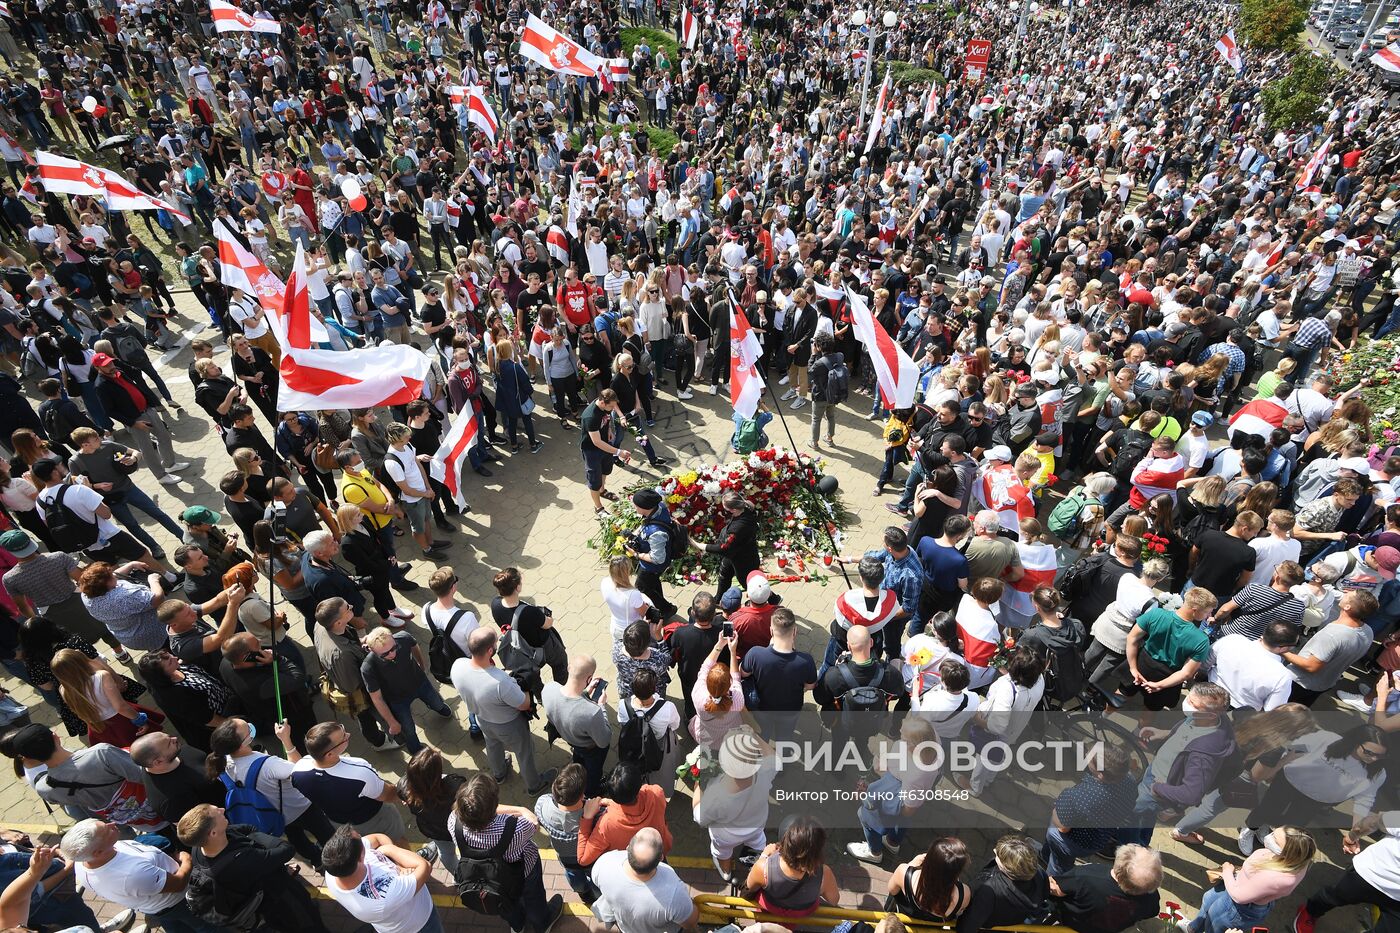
{"x":535,"y":514}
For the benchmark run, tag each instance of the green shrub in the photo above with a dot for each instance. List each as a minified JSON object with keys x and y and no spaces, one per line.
{"x":905,"y":73}
{"x":633,"y":36}
{"x":1271,"y":25}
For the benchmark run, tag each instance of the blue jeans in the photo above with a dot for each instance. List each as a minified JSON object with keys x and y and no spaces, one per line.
{"x":1144,"y":814}
{"x":1219,"y":913}
{"x":403,"y":712}
{"x":93,"y":404}
{"x":581,"y":881}
{"x":137,"y":497}
{"x":434,"y":924}
{"x":911,"y":483}
{"x":1060,"y":852}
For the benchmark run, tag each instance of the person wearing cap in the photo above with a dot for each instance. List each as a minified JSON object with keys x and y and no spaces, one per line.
{"x":733,"y":805}
{"x":1365,"y":567}
{"x":45,"y":584}
{"x":653,"y":548}
{"x":126,"y":397}
{"x":1194,"y":446}
{"x":1022,"y":421}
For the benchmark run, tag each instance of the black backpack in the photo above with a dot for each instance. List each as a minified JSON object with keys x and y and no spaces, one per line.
{"x":56,"y":424}
{"x":1135,"y":447}
{"x":838,"y":381}
{"x":486,"y":882}
{"x":637,"y":741}
{"x":70,"y":531}
{"x":858,"y":698}
{"x":442,"y":650}
{"x":1079,"y":577}
{"x":203,"y":899}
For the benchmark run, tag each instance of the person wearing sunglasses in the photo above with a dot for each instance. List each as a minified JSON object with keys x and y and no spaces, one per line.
{"x":395,"y":675}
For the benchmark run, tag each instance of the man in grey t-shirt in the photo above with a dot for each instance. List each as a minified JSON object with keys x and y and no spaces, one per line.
{"x":500,"y":706}
{"x":579,"y":720}
{"x":640,"y":893}
{"x":1327,"y":655}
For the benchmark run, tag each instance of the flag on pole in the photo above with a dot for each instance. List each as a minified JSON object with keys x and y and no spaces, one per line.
{"x":480,"y":114}
{"x":312,"y":380}
{"x":457,"y":93}
{"x":62,"y":175}
{"x":1305,"y":180}
{"x":931,"y":105}
{"x":229,"y":18}
{"x":745,"y":384}
{"x":240,"y":268}
{"x":545,"y":46}
{"x":452,"y":455}
{"x":690,"y":28}
{"x":1229,"y":51}
{"x":877,"y":117}
{"x":1388,"y":58}
{"x":895,"y":371}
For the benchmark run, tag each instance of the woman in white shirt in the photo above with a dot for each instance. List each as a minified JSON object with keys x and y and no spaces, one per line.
{"x":1006,"y":712}
{"x":625,"y":602}
{"x":1110,"y":630}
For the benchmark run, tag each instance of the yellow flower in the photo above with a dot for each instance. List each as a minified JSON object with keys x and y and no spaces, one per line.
{"x":687,"y":478}
{"x":673,"y":499}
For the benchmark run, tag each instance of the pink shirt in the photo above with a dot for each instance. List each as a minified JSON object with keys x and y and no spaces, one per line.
{"x":1255,"y":885}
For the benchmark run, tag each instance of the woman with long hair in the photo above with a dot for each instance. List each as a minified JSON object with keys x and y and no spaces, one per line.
{"x":362,"y":547}
{"x":514,"y":399}
{"x":250,"y":463}
{"x":1260,"y":499}
{"x":934,"y":501}
{"x":80,"y":378}
{"x":718,"y":697}
{"x":791,"y":877}
{"x":927,"y":886}
{"x":736,"y":544}
{"x":94,"y":694}
{"x":1245,"y":895}
{"x":29,"y":449}
{"x":40,"y":639}
{"x":196,"y":702}
{"x":1201,"y":510}
{"x":626,"y":604}
{"x":428,"y":793}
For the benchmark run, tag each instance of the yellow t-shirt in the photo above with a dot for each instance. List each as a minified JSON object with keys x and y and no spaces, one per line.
{"x":359,"y":489}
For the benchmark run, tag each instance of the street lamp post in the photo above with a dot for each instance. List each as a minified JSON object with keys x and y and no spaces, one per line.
{"x":858,"y":19}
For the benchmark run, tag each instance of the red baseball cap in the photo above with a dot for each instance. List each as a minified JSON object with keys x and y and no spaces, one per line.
{"x":102,"y":359}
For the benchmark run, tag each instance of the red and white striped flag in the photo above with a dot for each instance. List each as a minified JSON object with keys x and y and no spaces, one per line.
{"x":931,"y":105}
{"x":457,"y":93}
{"x":745,"y":384}
{"x":1230,"y":51}
{"x":1305,"y":180}
{"x":619,"y":70}
{"x":557,"y":242}
{"x":275,"y":183}
{"x":480,"y":114}
{"x":229,"y":18}
{"x":896,"y":373}
{"x":5,"y":9}
{"x":1387,"y":58}
{"x":690,"y":28}
{"x":877,"y":116}
{"x":1154,"y":476}
{"x":453,"y":454}
{"x":1259,"y":418}
{"x":1040,"y":565}
{"x":62,"y":175}
{"x":546,"y":46}
{"x":239,"y":268}
{"x":728,"y":198}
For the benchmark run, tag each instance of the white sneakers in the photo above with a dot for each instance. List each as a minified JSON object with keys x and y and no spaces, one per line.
{"x":169,"y":479}
{"x":1355,"y":700}
{"x":178,"y":466}
{"x":685,"y":394}
{"x":783,"y":381}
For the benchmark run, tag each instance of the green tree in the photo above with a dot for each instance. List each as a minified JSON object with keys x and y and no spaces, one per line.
{"x":1272,"y":24}
{"x":1294,"y":99}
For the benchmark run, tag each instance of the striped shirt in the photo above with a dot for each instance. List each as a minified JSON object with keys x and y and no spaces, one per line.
{"x":521,"y":848}
{"x":1260,"y":604}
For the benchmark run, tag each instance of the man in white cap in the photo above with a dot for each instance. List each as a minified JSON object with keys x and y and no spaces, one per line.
{"x":734,"y":805}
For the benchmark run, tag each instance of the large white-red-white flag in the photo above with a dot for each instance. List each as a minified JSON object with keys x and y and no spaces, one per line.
{"x":877,"y":116}
{"x":453,"y":453}
{"x":480,"y":114}
{"x":931,"y":104}
{"x":62,"y":175}
{"x":745,"y":384}
{"x":1388,"y":58}
{"x":895,"y":371}
{"x":229,"y":18}
{"x":311,"y":380}
{"x":1230,"y":51}
{"x":690,"y":28}
{"x":240,"y":268}
{"x":557,"y":242}
{"x":544,"y":45}
{"x":1305,"y":180}
{"x":619,"y":70}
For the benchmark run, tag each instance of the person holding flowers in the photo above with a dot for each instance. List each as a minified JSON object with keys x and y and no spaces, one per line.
{"x":737,"y":542}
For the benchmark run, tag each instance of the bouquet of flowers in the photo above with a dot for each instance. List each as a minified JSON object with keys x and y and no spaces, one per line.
{"x":1375,"y":367}
{"x":1002,"y":656}
{"x":699,"y":766}
{"x":799,"y":528}
{"x":1154,"y":546}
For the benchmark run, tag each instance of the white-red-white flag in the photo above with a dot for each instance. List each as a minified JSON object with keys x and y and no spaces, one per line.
{"x":480,"y":114}
{"x":240,"y":268}
{"x":896,"y":373}
{"x":229,"y":18}
{"x":1388,"y":58}
{"x":745,"y":384}
{"x":690,"y":28}
{"x":312,"y":380}
{"x":728,"y":198}
{"x":5,"y":9}
{"x":63,"y":175}
{"x":274,"y":184}
{"x":1230,"y":51}
{"x":453,"y":453}
{"x":877,"y":116}
{"x":619,"y":70}
{"x":1305,"y":180}
{"x":542,"y":44}
{"x":931,"y":104}
{"x":557,"y":242}
{"x":457,"y":93}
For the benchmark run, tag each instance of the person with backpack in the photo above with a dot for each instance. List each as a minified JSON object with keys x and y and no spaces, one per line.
{"x":379,"y":882}
{"x":340,"y":653}
{"x":242,"y":874}
{"x":79,"y":519}
{"x":647,"y":727}
{"x":1061,"y":639}
{"x":830,"y":381}
{"x":499,"y":864}
{"x":658,"y":541}
{"x":395,"y":676}
{"x":450,"y":626}
{"x":258,"y":787}
{"x":60,"y":415}
{"x":858,"y":689}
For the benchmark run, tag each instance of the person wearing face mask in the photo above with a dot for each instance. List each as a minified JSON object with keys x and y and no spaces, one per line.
{"x":1189,"y":763}
{"x":1246,"y":893}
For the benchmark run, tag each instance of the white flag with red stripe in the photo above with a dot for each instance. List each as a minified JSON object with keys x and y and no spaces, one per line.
{"x":312,"y":380}
{"x":5,"y":9}
{"x":979,"y":631}
{"x":1040,"y":565}
{"x":1388,"y":58}
{"x":895,"y":371}
{"x":745,"y":384}
{"x":690,"y":28}
{"x":1259,"y":418}
{"x":931,"y":105}
{"x":557,"y":242}
{"x":728,"y":198}
{"x":62,"y":175}
{"x":274,"y":184}
{"x":1230,"y":51}
{"x":480,"y":114}
{"x":1305,"y":180}
{"x":240,"y":268}
{"x":457,"y":93}
{"x":542,"y":44}
{"x":619,"y":70}
{"x":1154,"y":476}
{"x":453,"y":454}
{"x":877,"y":117}
{"x":229,"y":18}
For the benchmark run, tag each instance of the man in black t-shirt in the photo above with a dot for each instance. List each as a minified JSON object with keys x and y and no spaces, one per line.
{"x":854,"y":721}
{"x":1223,"y":561}
{"x":692,"y":643}
{"x":598,"y":441}
{"x":174,"y":776}
{"x":394,"y":677}
{"x":1099,"y":898}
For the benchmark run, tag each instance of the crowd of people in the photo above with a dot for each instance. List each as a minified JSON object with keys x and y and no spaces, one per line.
{"x":1128,"y":482}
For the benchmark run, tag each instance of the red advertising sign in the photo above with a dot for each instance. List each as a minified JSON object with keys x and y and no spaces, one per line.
{"x":979,"y":54}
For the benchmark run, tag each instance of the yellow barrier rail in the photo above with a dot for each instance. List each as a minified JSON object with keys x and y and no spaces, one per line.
{"x":720,"y":908}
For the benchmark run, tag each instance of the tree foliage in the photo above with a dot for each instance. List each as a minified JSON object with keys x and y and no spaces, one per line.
{"x":1271,"y":25}
{"x":1294,"y":99}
